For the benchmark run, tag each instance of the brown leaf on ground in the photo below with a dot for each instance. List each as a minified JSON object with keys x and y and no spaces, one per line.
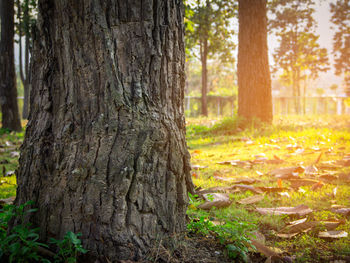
{"x":344,"y":177}
{"x":332,"y":234}
{"x":244,"y":187}
{"x":332,"y":224}
{"x":300,"y":210}
{"x":251,"y":200}
{"x":310,"y":170}
{"x":317,"y":186}
{"x":296,"y":183}
{"x":221,"y":189}
{"x":299,"y":221}
{"x":268,"y":252}
{"x":218,"y":204}
{"x":14,"y":154}
{"x":343,"y":211}
{"x":328,"y":165}
{"x":328,"y":177}
{"x":270,"y":189}
{"x":246,"y":180}
{"x":292,"y":230}
{"x":214,"y":197}
{"x":7,"y":201}
{"x":287,"y":170}
{"x":198,"y":167}
{"x":224,"y":179}
{"x":259,"y":237}
{"x":225,"y":162}
{"x":345,"y":162}
{"x":243,"y":164}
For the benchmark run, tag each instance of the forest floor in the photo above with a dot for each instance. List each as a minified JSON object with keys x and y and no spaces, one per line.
{"x":282,"y":190}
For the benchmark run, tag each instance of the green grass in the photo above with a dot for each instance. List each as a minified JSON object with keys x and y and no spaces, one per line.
{"x":225,"y":140}
{"x":9,"y":150}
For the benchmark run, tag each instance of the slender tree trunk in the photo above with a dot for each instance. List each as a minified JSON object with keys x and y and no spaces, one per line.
{"x":254,"y":82}
{"x":204,"y":58}
{"x":298,"y":91}
{"x":105,"y":151}
{"x":8,"y":90}
{"x":26,"y":85}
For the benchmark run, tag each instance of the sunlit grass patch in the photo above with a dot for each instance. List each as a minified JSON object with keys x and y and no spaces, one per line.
{"x":297,"y":141}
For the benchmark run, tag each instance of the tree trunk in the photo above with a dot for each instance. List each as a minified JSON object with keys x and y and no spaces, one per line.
{"x":105,"y":151}
{"x":254,"y":82}
{"x":8,"y":89}
{"x":204,"y":59}
{"x":26,"y":86}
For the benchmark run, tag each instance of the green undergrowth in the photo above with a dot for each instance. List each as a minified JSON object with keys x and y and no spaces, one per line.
{"x":21,"y":242}
{"x":10,"y":143}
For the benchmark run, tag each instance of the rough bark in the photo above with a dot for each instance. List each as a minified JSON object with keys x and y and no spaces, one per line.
{"x":8,"y":89}
{"x":254,"y":82}
{"x":105,"y":152}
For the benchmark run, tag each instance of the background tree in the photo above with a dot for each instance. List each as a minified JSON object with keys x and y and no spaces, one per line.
{"x":208,"y":29}
{"x":254,"y":82}
{"x":341,"y":41}
{"x":8,"y":90}
{"x":104,"y":152}
{"x":333,"y":87}
{"x":26,"y":17}
{"x":298,"y":55}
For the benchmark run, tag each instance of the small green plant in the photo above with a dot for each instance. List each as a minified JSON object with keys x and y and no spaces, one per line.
{"x":20,"y":244}
{"x":69,"y":248}
{"x":4,"y":131}
{"x":232,"y":234}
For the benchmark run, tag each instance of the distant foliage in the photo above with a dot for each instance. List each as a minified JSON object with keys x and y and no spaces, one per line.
{"x":209,"y":34}
{"x":299,"y":54}
{"x":340,"y":10}
{"x":209,"y":21}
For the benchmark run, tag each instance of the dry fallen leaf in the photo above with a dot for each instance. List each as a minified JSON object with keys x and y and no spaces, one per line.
{"x":224,"y":179}
{"x":251,"y":200}
{"x":247,"y":188}
{"x":269,"y":189}
{"x":7,"y":201}
{"x":292,"y":230}
{"x":213,"y":197}
{"x":318,"y":185}
{"x":333,"y":234}
{"x":300,"y":210}
{"x":246,"y":180}
{"x":225,"y":162}
{"x":222,"y":189}
{"x":266,"y":251}
{"x":310,"y":170}
{"x":328,"y":177}
{"x":198,"y":167}
{"x":332,"y":224}
{"x":287,"y":171}
{"x":14,"y":154}
{"x":344,"y":211}
{"x":296,"y":183}
{"x":10,"y":173}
